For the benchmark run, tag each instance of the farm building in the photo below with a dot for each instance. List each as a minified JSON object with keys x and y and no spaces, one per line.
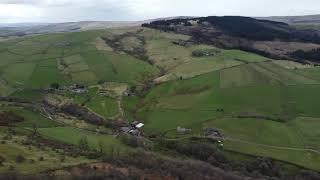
{"x":79,"y":89}
{"x":135,"y":129}
{"x":137,"y":124}
{"x":204,"y":53}
{"x":213,"y":133}
{"x":140,"y":125}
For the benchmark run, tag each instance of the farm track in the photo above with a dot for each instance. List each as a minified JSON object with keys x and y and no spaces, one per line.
{"x":121,"y":111}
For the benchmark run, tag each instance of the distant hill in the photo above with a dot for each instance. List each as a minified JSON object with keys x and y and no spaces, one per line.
{"x":22,"y":29}
{"x":269,"y":38}
{"x":294,"y":20}
{"x":34,"y":28}
{"x":296,"y":38}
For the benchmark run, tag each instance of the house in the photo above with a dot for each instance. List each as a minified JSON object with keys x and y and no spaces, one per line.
{"x":135,"y":129}
{"x":131,"y":130}
{"x":183,"y":130}
{"x":139,"y":125}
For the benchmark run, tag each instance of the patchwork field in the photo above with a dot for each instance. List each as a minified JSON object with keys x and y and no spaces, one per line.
{"x":66,"y":58}
{"x":107,"y":142}
{"x":296,"y":140}
{"x":105,"y":106}
{"x":177,"y":59}
{"x":264,"y":107}
{"x":275,"y":99}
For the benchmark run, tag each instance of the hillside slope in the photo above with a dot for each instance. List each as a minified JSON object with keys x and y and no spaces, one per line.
{"x":66,"y":100}
{"x":273,"y":39}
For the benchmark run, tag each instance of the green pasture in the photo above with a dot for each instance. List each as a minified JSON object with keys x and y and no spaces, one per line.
{"x":95,"y":141}
{"x":30,"y":118}
{"x":295,"y":142}
{"x":105,"y":106}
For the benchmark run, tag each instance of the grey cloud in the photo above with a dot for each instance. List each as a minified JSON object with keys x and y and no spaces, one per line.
{"x":77,"y":10}
{"x":47,"y":3}
{"x":31,"y":2}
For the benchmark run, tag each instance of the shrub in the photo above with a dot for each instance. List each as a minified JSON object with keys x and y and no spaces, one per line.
{"x":2,"y":160}
{"x":265,"y":166}
{"x":9,"y":118}
{"x":62,"y":159}
{"x":55,"y":85}
{"x":20,"y":158}
{"x":41,"y":158}
{"x":83,"y":143}
{"x":101,"y":81}
{"x":130,"y":141}
{"x":11,"y":168}
{"x":308,"y":175}
{"x":197,"y":150}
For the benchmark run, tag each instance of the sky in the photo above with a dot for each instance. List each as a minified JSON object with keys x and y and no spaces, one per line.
{"x":50,"y":11}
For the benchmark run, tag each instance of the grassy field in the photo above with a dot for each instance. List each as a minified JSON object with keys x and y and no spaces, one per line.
{"x":28,"y":94}
{"x":313,"y":73}
{"x":263,"y":106}
{"x":284,"y":76}
{"x":52,"y":75}
{"x":264,"y":90}
{"x":102,"y":105}
{"x":37,"y":62}
{"x":243,"y":75}
{"x":105,"y":106}
{"x":178,"y":61}
{"x":246,"y":95}
{"x":30,"y":118}
{"x":95,"y":141}
{"x":111,"y":67}
{"x":284,"y":141}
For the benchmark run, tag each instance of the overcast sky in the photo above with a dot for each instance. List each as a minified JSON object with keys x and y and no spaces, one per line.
{"x":13,"y":11}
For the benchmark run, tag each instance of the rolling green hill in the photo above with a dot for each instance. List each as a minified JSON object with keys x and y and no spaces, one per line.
{"x":263,"y":107}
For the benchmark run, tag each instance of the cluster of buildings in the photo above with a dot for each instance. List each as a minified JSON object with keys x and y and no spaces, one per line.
{"x":213,"y":133}
{"x":134,"y":129}
{"x":204,"y":53}
{"x":79,"y":89}
{"x":74,"y":88}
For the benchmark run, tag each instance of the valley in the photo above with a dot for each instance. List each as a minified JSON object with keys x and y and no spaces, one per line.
{"x":75,"y":91}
